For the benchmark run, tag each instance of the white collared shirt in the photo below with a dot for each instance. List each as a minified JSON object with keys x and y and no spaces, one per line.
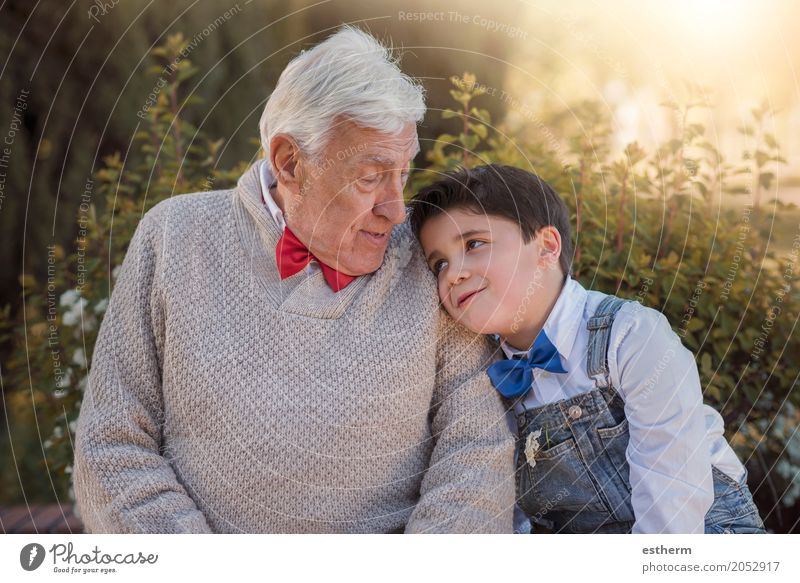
{"x":267,"y":182}
{"x":674,"y":437}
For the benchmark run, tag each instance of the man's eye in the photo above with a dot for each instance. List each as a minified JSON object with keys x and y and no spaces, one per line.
{"x":370,"y":179}
{"x":439,"y":265}
{"x":474,"y":244}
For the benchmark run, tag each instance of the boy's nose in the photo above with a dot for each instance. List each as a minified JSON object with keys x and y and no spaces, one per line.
{"x":458,"y":275}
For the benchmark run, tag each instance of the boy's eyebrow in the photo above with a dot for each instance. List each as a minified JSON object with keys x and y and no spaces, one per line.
{"x":470,"y":233}
{"x":459,"y":237}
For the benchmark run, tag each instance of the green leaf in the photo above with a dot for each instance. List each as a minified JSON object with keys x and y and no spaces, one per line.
{"x":705,"y":364}
{"x":479,"y":129}
{"x":470,"y":141}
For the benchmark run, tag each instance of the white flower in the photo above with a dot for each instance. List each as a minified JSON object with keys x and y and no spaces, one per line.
{"x":101,"y":306}
{"x":89,"y":323}
{"x":532,"y":445}
{"x":69,"y":297}
{"x":79,"y":357}
{"x":73,"y":315}
{"x":115,"y":271}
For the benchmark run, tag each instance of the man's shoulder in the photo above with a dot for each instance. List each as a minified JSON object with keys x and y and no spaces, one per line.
{"x":191,"y":203}
{"x":404,"y":253}
{"x":187,"y":210}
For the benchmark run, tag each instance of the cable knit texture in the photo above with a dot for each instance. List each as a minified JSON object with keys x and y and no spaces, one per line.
{"x":224,"y":399}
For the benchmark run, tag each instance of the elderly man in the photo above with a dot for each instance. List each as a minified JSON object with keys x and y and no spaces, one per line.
{"x":274,"y":358}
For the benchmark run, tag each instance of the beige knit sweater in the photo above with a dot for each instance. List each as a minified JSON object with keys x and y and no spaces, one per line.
{"x":222,"y":399}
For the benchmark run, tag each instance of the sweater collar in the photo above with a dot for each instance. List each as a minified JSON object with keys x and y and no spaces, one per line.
{"x":250,"y":194}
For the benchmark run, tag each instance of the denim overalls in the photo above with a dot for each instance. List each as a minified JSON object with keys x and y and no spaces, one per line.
{"x":578,"y":478}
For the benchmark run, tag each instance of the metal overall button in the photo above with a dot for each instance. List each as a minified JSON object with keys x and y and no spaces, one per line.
{"x":575,"y":412}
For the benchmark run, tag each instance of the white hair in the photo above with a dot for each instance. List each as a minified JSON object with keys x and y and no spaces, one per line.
{"x":349,"y":75}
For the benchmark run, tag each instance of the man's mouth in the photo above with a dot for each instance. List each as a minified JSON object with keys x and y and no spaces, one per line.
{"x":465,"y":298}
{"x":376,"y":237}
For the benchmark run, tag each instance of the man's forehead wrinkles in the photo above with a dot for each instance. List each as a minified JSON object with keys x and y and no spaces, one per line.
{"x":385,"y":159}
{"x":397,"y":142}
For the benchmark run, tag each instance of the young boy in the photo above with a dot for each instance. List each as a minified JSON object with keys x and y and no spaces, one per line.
{"x":613,"y":434}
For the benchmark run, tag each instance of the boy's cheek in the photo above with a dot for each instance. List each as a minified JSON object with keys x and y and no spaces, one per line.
{"x":445,"y":301}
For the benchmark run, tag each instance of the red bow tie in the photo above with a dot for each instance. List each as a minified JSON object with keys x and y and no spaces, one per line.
{"x":292,"y":256}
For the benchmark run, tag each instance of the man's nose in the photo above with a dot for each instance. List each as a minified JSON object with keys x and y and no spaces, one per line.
{"x":392,"y":206}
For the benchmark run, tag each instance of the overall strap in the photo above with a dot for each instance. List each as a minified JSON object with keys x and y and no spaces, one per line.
{"x":599,"y":326}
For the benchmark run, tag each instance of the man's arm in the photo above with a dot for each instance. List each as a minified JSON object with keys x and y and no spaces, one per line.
{"x":469,"y":484}
{"x":122,"y":483}
{"x":670,"y":465}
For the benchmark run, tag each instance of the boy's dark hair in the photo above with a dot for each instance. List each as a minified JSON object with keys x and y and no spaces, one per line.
{"x":503,"y":191}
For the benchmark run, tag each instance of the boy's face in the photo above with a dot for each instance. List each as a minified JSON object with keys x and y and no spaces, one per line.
{"x":489,"y":278}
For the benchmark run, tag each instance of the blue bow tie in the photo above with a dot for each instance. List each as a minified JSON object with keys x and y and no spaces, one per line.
{"x":513,"y":377}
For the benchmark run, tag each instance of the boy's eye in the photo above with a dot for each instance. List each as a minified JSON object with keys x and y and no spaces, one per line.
{"x":438,"y":266}
{"x":474,"y":244}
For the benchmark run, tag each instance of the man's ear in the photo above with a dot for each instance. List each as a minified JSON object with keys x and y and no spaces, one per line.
{"x":549,"y":245}
{"x":284,"y":154}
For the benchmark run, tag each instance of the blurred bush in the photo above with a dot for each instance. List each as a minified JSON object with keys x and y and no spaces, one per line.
{"x":658,"y":227}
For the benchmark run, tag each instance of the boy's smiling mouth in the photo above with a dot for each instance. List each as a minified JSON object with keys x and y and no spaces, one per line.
{"x":466,"y":297}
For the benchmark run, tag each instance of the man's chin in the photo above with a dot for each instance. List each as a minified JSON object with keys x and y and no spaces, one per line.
{"x":363,"y":267}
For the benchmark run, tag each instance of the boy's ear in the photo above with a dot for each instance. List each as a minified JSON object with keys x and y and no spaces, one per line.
{"x":549,"y":244}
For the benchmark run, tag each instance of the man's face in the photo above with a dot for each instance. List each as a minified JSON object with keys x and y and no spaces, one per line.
{"x":350,"y":198}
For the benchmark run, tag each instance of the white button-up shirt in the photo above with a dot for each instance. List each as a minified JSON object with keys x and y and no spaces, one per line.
{"x":267,"y":182}
{"x":674,"y":437}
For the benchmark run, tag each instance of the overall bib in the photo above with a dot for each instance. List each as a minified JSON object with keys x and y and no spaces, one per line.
{"x":577,"y":480}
